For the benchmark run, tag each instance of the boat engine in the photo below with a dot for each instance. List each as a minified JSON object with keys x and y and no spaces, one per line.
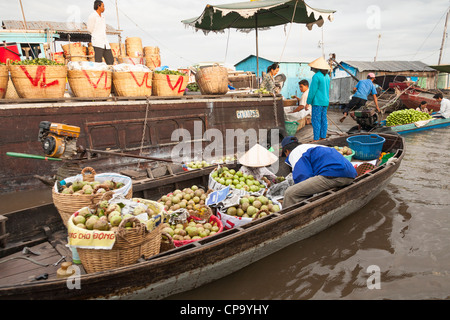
{"x":58,"y":140}
{"x":366,"y":119}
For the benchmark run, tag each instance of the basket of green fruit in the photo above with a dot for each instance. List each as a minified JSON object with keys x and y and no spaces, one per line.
{"x":87,"y":189}
{"x":169,"y":83}
{"x":38,"y":78}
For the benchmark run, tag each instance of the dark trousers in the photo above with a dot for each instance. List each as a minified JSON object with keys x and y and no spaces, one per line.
{"x":354,"y":104}
{"x":101,"y":53}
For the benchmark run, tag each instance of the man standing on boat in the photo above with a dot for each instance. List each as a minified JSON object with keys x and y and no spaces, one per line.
{"x":96,"y":25}
{"x":362,"y":90}
{"x":315,"y":169}
{"x":444,"y":111}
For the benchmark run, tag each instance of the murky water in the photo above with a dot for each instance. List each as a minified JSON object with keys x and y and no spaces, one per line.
{"x":403,"y":235}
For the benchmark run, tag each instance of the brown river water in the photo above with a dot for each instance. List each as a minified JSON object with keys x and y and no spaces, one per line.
{"x":404,"y":233}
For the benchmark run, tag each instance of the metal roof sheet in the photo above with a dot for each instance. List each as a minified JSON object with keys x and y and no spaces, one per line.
{"x":60,"y":27}
{"x":392,"y":66}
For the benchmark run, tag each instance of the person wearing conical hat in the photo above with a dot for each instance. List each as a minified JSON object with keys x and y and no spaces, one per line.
{"x":256,"y":160}
{"x":319,"y":97}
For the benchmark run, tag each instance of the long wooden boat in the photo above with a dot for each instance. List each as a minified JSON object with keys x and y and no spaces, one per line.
{"x":412,"y":127}
{"x":194,"y":264}
{"x":132,"y":125}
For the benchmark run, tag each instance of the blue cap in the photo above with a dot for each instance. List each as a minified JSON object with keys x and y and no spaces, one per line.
{"x":288,"y":140}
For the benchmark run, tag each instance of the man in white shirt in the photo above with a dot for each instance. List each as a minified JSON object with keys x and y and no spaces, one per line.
{"x":96,"y":25}
{"x":444,"y":111}
{"x":303,"y":109}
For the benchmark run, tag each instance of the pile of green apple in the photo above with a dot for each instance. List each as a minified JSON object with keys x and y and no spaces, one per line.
{"x":236,"y":179}
{"x":198,"y":164}
{"x":108,"y":216}
{"x":192,"y":199}
{"x":249,"y":206}
{"x":94,"y":187}
{"x":193,"y":230}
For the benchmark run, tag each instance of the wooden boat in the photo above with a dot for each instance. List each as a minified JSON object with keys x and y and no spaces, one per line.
{"x":412,"y":97}
{"x":194,"y":264}
{"x":133,"y":125}
{"x":412,"y":127}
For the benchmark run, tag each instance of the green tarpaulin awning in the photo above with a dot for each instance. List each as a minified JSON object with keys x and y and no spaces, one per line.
{"x":260,"y":14}
{"x":442,"y":68}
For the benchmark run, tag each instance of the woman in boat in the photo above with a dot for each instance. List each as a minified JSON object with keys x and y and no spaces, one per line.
{"x":268,"y":82}
{"x":315,"y":169}
{"x":319,"y":98}
{"x":423,"y":107}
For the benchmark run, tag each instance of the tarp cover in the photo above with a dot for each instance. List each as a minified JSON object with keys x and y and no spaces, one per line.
{"x":266,"y":13}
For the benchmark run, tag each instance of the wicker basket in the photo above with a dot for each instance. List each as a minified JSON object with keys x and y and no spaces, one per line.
{"x":151,"y":50}
{"x":58,"y":57}
{"x":75,"y":51}
{"x":169,"y":85}
{"x":67,"y":204}
{"x":89,"y":83}
{"x":39,"y":81}
{"x":212,"y":80}
{"x":134,"y":47}
{"x":132,"y":60}
{"x":90,"y":53}
{"x":4,"y":78}
{"x":166,"y":242}
{"x":130,"y":245}
{"x":153,"y":61}
{"x":133,"y":84}
{"x":115,"y":48}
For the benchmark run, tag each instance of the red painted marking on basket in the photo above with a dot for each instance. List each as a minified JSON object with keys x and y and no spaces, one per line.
{"x":95,"y":85}
{"x":179,"y":82}
{"x":2,"y":90}
{"x":40,"y":73}
{"x":144,"y":79}
{"x":156,"y":62}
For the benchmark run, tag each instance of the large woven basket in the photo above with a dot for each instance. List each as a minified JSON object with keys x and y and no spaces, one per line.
{"x":90,"y":53}
{"x":4,"y":78}
{"x":133,"y":84}
{"x":89,"y":83}
{"x":212,"y":80}
{"x":58,"y":57}
{"x":115,"y":48}
{"x":153,"y":61}
{"x":67,"y":204}
{"x":130,"y":245}
{"x":39,"y":81}
{"x":169,"y":85}
{"x":131,"y":60}
{"x":75,"y":51}
{"x":134,"y":47}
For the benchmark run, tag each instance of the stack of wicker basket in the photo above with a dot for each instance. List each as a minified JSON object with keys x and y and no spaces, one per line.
{"x":152,"y":57}
{"x":75,"y":51}
{"x":118,"y":50}
{"x":4,"y":78}
{"x":134,"y":47}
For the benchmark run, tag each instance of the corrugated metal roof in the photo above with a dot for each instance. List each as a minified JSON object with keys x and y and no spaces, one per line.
{"x":60,"y":27}
{"x":390,"y":66}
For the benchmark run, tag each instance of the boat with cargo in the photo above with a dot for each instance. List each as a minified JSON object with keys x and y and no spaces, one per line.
{"x":188,"y":266}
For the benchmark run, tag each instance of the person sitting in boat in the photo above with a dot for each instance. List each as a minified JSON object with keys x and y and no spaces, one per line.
{"x":423,"y":107}
{"x":268,"y":82}
{"x":362,"y":90}
{"x":315,"y":169}
{"x":444,"y":112}
{"x":303,"y":109}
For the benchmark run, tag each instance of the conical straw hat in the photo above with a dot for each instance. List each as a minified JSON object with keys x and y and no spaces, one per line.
{"x":258,"y":156}
{"x":319,"y":63}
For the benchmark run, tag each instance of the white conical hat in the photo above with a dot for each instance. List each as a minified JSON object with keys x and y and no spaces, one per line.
{"x":319,"y":63}
{"x":258,"y":156}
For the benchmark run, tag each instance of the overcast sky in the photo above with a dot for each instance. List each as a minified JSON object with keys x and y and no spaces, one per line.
{"x":409,"y":29}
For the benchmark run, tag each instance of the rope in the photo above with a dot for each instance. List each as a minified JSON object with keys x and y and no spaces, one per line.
{"x":143,"y":132}
{"x":289,"y":32}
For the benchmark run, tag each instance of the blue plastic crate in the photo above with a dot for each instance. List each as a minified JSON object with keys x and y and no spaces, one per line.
{"x":366,"y":147}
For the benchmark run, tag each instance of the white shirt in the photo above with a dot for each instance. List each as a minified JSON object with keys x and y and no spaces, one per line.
{"x":298,"y":152}
{"x":445,"y":108}
{"x":96,"y":25}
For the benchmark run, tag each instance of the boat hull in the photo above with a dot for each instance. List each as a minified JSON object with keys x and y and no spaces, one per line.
{"x":211,"y":258}
{"x":412,"y":128}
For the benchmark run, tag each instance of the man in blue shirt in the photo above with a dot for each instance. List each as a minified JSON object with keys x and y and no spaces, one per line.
{"x":363,"y":88}
{"x":315,"y":169}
